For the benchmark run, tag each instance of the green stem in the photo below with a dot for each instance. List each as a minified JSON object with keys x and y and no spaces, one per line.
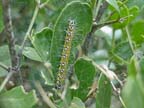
{"x":98,"y":7}
{"x":113,"y":39}
{"x":30,"y":26}
{"x":130,"y":40}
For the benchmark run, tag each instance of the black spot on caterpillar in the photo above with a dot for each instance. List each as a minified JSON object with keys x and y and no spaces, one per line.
{"x":62,"y":71}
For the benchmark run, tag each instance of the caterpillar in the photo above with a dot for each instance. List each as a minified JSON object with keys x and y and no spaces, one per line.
{"x":62,"y":71}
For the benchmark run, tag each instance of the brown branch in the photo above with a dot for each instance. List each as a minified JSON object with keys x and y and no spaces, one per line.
{"x":103,"y":7}
{"x":8,"y":31}
{"x":87,"y":43}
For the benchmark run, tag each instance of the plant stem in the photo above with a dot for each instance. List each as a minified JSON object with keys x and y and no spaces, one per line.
{"x":6,"y":80}
{"x":30,"y":27}
{"x":97,"y":8}
{"x":113,"y":39}
{"x":10,"y":36}
{"x":4,"y":66}
{"x":130,"y":40}
{"x":9,"y":31}
{"x":122,"y":102}
{"x":44,"y":96}
{"x":43,"y":4}
{"x":96,"y":26}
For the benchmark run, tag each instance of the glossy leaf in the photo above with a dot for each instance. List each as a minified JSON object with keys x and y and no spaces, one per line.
{"x":17,"y":98}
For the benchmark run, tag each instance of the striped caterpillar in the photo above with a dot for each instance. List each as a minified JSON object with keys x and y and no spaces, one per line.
{"x":62,"y":71}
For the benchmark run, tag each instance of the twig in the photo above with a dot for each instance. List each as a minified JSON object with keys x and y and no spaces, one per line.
{"x":44,"y":4}
{"x":122,"y":102}
{"x":101,"y":10}
{"x":15,"y":59}
{"x":38,"y":6}
{"x":98,"y":8}
{"x":44,"y":96}
{"x":98,"y":14}
{"x":6,"y":80}
{"x":25,"y":38}
{"x":4,"y":66}
{"x":8,"y":31}
{"x":29,"y":28}
{"x":96,"y":26}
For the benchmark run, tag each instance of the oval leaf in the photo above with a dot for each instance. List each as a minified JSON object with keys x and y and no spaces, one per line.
{"x":17,"y":98}
{"x":103,"y":96}
{"x":42,"y":42}
{"x":82,"y":15}
{"x":85,"y":71}
{"x":31,"y":54}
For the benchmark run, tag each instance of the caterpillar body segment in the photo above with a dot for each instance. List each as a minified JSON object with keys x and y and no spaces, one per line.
{"x":62,"y":71}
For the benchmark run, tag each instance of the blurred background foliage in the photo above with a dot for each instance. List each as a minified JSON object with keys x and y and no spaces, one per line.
{"x":119,"y":46}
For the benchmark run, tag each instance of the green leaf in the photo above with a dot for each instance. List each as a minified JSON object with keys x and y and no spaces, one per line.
{"x":133,"y":95}
{"x":138,"y":32}
{"x":67,"y":100}
{"x":123,"y":50}
{"x":103,"y":95}
{"x":85,"y":71}
{"x":77,"y":103}
{"x":31,"y":54}
{"x":134,"y":87}
{"x":133,"y":12}
{"x":123,"y":15}
{"x":5,"y":59}
{"x":42,"y":42}
{"x":114,"y":4}
{"x":132,"y":67}
{"x":82,"y":15}
{"x":142,"y":68}
{"x":92,"y":3}
{"x":1,"y":19}
{"x":17,"y":98}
